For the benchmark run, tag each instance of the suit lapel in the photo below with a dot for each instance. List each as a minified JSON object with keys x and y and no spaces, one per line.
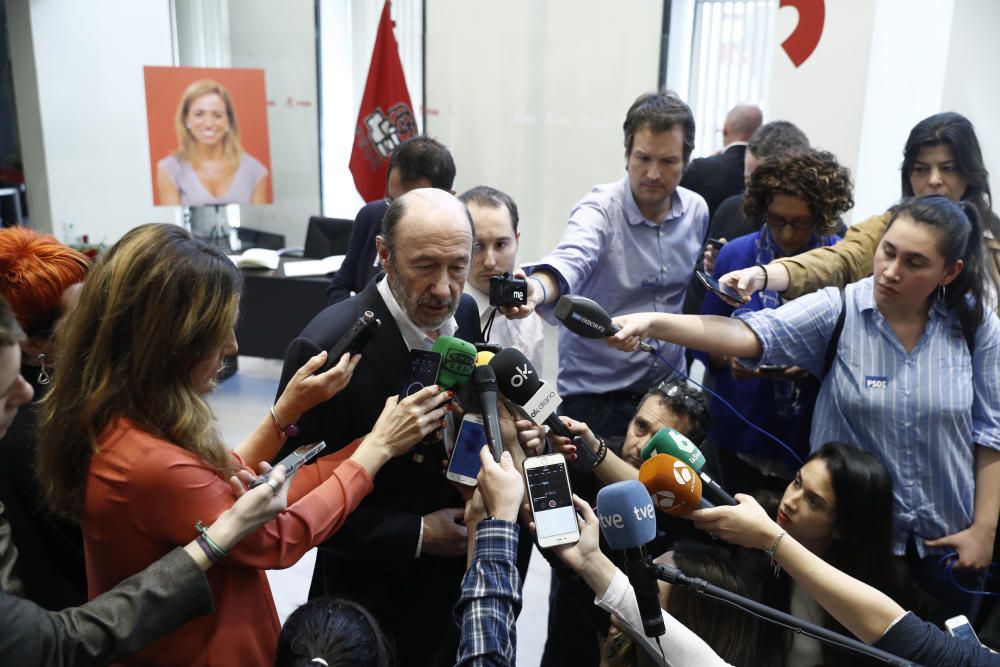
{"x":389,"y":357}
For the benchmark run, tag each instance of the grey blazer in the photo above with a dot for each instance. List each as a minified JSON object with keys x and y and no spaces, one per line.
{"x":147,"y":605}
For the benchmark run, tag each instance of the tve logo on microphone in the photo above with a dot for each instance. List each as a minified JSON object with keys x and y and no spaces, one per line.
{"x":646,"y":512}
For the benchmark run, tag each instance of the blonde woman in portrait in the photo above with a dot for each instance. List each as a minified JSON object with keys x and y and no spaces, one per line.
{"x":209,"y":166}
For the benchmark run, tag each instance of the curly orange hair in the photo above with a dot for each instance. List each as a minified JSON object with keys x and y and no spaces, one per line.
{"x":35,"y":270}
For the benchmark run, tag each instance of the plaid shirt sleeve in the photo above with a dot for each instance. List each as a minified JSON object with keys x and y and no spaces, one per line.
{"x":491,"y":597}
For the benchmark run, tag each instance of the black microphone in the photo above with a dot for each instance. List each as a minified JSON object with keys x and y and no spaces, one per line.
{"x":484,"y":380}
{"x":587,"y":318}
{"x":519,"y":382}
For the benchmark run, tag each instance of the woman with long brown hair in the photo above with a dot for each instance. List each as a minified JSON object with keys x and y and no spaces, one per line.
{"x":130,"y":446}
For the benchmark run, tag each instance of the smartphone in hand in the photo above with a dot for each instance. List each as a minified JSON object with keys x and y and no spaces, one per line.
{"x":711,"y":284}
{"x":551,"y":500}
{"x":292,"y":462}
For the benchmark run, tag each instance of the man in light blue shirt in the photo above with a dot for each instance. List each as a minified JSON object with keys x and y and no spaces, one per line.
{"x":630,"y":246}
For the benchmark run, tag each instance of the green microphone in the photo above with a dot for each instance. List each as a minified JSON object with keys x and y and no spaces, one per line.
{"x":458,"y":358}
{"x":669,"y":441}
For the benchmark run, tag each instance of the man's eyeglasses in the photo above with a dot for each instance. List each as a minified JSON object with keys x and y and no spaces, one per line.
{"x":677,"y":394}
{"x":777,"y":222}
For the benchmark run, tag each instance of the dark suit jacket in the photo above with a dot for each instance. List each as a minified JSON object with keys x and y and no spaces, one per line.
{"x":372,"y":558}
{"x":359,"y":264}
{"x":716,"y":177}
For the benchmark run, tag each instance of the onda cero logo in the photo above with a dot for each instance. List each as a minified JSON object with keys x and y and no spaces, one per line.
{"x":682,"y":473}
{"x":665,"y":499}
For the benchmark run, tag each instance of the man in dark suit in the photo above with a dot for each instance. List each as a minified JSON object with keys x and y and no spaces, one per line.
{"x":402,"y":552}
{"x":420,"y":162}
{"x":721,"y":175}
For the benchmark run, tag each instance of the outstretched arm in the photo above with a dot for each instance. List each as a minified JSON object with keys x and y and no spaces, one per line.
{"x":709,"y":333}
{"x":865,"y":611}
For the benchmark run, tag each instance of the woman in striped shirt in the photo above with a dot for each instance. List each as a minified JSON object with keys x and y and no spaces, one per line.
{"x":914,"y":381}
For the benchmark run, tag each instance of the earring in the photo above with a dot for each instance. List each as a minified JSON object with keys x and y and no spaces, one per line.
{"x":43,"y":375}
{"x":188,"y":126}
{"x":941,"y":292}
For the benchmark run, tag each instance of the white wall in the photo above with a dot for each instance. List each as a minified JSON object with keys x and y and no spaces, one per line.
{"x":906,"y":79}
{"x":825,"y":96}
{"x":530,"y":97}
{"x":280,"y":38}
{"x":87,"y":159}
{"x":971,"y":86}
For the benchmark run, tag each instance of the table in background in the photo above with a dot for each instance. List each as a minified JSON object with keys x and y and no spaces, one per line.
{"x":274,"y":309}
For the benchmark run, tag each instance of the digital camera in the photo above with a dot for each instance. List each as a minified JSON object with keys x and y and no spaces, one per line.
{"x":506,"y":290}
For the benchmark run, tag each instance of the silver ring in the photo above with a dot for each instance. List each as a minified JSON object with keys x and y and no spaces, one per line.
{"x":273,"y":483}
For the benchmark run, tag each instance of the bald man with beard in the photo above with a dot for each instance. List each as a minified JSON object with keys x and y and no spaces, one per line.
{"x":402,"y":552}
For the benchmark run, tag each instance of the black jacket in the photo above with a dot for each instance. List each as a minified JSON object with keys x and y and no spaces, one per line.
{"x":716,"y":177}
{"x":359,"y":264}
{"x":371,"y":558}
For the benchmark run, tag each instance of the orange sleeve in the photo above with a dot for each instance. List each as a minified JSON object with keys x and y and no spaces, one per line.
{"x":171,"y":489}
{"x":313,"y":474}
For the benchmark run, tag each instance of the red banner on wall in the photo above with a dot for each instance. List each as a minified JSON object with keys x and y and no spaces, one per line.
{"x":385,"y":119}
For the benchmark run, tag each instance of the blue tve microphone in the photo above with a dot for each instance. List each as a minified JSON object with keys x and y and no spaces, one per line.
{"x":628,"y":522}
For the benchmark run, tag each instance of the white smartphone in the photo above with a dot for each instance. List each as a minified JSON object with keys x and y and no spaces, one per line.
{"x":551,"y":500}
{"x":464,"y":465}
{"x":959,"y":626}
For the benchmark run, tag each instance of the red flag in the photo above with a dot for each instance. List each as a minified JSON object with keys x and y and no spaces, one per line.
{"x":386,"y":116}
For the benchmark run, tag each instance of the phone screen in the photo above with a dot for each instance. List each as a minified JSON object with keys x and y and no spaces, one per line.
{"x":465,"y":456}
{"x":423,"y":372}
{"x":551,"y":500}
{"x":965,"y":631}
{"x":714,"y":285}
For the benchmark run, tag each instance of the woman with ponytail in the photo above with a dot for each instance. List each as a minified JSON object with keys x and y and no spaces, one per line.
{"x":914,"y":382}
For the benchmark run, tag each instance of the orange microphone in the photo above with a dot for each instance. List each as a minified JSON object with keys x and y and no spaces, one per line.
{"x":672,"y":484}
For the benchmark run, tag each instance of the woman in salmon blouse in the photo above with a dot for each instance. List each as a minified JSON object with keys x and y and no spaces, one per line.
{"x":130,"y":446}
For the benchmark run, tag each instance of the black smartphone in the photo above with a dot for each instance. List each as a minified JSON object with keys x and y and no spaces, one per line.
{"x":293,"y":461}
{"x":771,"y":368}
{"x":424,"y":366}
{"x":713,"y":285}
{"x":352,"y":342}
{"x":715,"y":243}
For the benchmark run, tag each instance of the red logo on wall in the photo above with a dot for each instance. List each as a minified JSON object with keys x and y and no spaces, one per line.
{"x":804,"y":39}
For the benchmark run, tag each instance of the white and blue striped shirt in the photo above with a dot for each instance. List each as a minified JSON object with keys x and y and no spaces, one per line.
{"x":921,"y":413}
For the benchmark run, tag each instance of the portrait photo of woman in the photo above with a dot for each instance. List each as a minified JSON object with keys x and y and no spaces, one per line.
{"x":209,"y":165}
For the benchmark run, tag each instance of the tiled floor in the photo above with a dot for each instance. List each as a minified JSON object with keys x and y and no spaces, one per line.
{"x":242,"y":401}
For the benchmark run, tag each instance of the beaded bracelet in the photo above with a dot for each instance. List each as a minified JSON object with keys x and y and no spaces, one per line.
{"x":764,"y":269}
{"x":770,"y":553}
{"x":602,"y":453}
{"x":219,"y":552}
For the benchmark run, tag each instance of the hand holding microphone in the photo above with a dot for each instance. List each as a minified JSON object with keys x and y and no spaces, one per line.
{"x":589,"y":319}
{"x":671,"y":442}
{"x":745,"y":524}
{"x":631,"y":330}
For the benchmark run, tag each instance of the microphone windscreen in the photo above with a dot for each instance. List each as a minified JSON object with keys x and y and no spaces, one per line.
{"x":673,"y":485}
{"x":516,"y":377}
{"x":675,"y":443}
{"x":458,"y":358}
{"x":584,"y":317}
{"x":483,"y":357}
{"x":484,"y":379}
{"x":626,"y":515}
